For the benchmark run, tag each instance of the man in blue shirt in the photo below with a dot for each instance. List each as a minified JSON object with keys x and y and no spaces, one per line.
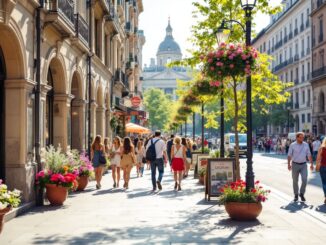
{"x":298,"y":154}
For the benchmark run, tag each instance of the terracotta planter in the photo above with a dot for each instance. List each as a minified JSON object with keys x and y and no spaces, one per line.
{"x":2,"y":215}
{"x":202,"y":180}
{"x":56,"y":194}
{"x":82,"y":183}
{"x":243,"y":211}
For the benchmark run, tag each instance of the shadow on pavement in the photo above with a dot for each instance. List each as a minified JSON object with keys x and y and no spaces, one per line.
{"x":321,"y":208}
{"x":294,"y":207}
{"x":108,"y":191}
{"x":273,"y":155}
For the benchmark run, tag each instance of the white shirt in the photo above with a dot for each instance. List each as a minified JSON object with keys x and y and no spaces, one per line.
{"x":178,"y":153}
{"x":315,"y":145}
{"x":299,"y":152}
{"x":160,"y":146}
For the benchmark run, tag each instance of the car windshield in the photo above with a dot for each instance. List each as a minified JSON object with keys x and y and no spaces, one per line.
{"x":242,"y":138}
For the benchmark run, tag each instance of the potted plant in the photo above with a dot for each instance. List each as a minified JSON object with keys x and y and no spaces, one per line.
{"x":58,"y":175}
{"x":8,"y":200}
{"x":241,"y":204}
{"x":85,"y":171}
{"x":202,"y":174}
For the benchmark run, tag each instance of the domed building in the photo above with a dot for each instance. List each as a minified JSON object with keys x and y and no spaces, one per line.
{"x":157,"y":75}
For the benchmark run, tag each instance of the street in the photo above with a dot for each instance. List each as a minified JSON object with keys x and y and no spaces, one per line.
{"x":137,"y":216}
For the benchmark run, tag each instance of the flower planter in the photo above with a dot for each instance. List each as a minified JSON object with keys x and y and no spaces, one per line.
{"x":82,"y":183}
{"x":243,"y":211}
{"x":56,"y":194}
{"x":2,"y":215}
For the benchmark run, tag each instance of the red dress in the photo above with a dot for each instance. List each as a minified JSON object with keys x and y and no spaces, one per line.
{"x":177,"y":161}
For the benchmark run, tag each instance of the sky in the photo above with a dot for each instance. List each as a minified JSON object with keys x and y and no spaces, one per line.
{"x":155,"y":17}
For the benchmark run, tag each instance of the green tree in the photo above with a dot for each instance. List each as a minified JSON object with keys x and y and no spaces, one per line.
{"x":159,"y":106}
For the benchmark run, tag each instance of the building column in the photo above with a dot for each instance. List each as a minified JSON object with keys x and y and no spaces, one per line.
{"x":100,"y":117}
{"x":19,"y":116}
{"x":78,"y":124}
{"x":93,"y":120}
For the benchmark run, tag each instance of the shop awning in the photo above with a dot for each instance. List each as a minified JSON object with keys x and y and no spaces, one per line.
{"x":134,"y":128}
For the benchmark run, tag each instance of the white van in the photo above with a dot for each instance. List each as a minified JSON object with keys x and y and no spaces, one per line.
{"x":292,"y":136}
{"x":229,"y":143}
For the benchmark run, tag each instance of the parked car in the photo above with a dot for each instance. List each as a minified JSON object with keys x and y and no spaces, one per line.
{"x":229,"y":143}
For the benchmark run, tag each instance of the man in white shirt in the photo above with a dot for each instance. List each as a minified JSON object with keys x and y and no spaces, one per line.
{"x":315,"y":146}
{"x":161,"y":159}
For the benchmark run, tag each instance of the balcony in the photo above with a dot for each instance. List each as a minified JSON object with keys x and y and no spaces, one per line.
{"x":82,"y":31}
{"x":290,"y":61}
{"x":296,"y":57}
{"x":321,"y":38}
{"x":278,"y":44}
{"x":296,"y":81}
{"x":307,"y":23}
{"x":61,"y":14}
{"x":319,"y":72}
{"x":302,"y":54}
{"x":302,"y":79}
{"x":113,"y":18}
{"x":128,"y":28}
{"x":319,"y":3}
{"x":302,"y":27}
{"x":285,"y":40}
{"x":268,"y":51}
{"x":290,"y":35}
{"x":308,"y":76}
{"x":309,"y":104}
{"x":121,"y":78}
{"x":296,"y":106}
{"x":296,"y":31}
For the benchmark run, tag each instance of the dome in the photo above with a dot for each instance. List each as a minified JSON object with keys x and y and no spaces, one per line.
{"x":169,"y":45}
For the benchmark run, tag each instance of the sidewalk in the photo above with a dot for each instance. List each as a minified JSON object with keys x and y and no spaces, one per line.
{"x":136,"y":216}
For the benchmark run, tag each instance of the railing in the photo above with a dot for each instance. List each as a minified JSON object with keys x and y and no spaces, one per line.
{"x":121,"y":77}
{"x":296,"y":105}
{"x":302,"y":79}
{"x":81,"y":28}
{"x":290,"y":61}
{"x":290,"y":35}
{"x":285,"y":39}
{"x":319,"y":72}
{"x":278,"y":44}
{"x":307,"y":23}
{"x":296,"y":81}
{"x":128,"y":27}
{"x":321,"y":38}
{"x":302,"y":54}
{"x":302,"y":27}
{"x":296,"y":57}
{"x":64,"y":8}
{"x":319,"y":3}
{"x":269,"y":51}
{"x":296,"y":31}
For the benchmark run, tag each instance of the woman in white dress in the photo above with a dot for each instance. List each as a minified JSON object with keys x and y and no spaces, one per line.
{"x":115,"y":160}
{"x":140,"y":154}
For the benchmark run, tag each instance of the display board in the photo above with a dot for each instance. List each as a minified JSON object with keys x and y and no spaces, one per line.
{"x":194,"y":162}
{"x":220,"y":171}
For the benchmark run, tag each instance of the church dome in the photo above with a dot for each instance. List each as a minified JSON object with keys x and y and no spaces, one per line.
{"x":169,"y":45}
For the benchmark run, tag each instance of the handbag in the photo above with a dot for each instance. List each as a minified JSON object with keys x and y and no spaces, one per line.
{"x":102,"y":158}
{"x":144,"y":160}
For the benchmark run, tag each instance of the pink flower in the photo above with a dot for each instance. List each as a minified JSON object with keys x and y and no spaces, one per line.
{"x":231,"y":46}
{"x":210,"y":60}
{"x":57,"y":178}
{"x":231,"y":57}
{"x":219,"y":64}
{"x":231,"y":66}
{"x":244,"y":57}
{"x":40,"y":174}
{"x":212,"y":68}
{"x":219,"y":72}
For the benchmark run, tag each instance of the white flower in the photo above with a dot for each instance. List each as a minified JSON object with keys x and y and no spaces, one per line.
{"x":3,"y":205}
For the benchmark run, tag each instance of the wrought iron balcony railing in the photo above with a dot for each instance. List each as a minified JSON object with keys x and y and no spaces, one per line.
{"x":321,"y":38}
{"x":64,"y":8}
{"x":302,"y":27}
{"x":319,"y":72}
{"x":290,"y":35}
{"x":81,"y":26}
{"x":296,"y":31}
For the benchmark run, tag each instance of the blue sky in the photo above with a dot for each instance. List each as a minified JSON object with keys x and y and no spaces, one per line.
{"x":154,"y":20}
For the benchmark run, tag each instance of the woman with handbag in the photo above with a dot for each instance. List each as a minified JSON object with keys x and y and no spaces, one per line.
{"x":140,"y":155}
{"x":321,"y":165}
{"x":178,"y":156}
{"x":98,"y":159}
{"x":115,"y":156}
{"x":128,"y":159}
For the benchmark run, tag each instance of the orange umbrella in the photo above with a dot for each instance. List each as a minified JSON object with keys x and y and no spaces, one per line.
{"x":134,"y":128}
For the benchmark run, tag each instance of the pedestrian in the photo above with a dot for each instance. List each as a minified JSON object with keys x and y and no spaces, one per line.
{"x":156,"y":154}
{"x":315,"y":147}
{"x":178,"y":155}
{"x":140,"y":155}
{"x":115,"y":156}
{"x":298,"y":154}
{"x":169,"y":145}
{"x":128,"y":160}
{"x":98,"y":159}
{"x":189,"y":156}
{"x":188,"y":153}
{"x":321,"y":165}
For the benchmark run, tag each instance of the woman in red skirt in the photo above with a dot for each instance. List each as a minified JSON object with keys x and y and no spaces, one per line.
{"x":178,"y":156}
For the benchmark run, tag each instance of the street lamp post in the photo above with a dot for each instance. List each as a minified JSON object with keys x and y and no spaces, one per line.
{"x":193,"y":126}
{"x":202,"y":128}
{"x":288,"y":126}
{"x":247,"y":6}
{"x":186,"y":128}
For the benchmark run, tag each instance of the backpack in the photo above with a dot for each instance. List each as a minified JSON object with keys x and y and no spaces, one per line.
{"x":151,"y":152}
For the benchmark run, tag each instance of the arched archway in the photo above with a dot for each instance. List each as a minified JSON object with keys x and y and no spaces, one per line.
{"x":56,"y":109}
{"x":77,"y":110}
{"x":321,"y":102}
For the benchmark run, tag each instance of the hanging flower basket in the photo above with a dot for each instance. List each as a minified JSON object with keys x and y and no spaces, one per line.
{"x":206,"y":87}
{"x":185,"y":110}
{"x":113,"y":122}
{"x":191,"y":100}
{"x":180,"y":118}
{"x":230,"y":60}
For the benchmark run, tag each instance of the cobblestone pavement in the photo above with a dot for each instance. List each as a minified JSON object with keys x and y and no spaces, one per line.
{"x":137,"y":216}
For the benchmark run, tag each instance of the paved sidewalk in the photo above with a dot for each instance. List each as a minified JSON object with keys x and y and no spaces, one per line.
{"x":136,"y":216}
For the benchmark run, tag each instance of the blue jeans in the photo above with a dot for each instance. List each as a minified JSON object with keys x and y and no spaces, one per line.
{"x":323,"y":178}
{"x":160,"y":166}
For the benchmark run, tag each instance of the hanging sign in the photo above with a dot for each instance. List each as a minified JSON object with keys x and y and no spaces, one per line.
{"x":135,"y":101}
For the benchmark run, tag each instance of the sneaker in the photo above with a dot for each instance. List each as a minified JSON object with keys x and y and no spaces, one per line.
{"x":159,"y":185}
{"x":295,"y":198}
{"x":302,"y":198}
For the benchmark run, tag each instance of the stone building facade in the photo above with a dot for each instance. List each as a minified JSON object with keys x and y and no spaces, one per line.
{"x":318,"y":81}
{"x":75,"y":35}
{"x":288,"y":40}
